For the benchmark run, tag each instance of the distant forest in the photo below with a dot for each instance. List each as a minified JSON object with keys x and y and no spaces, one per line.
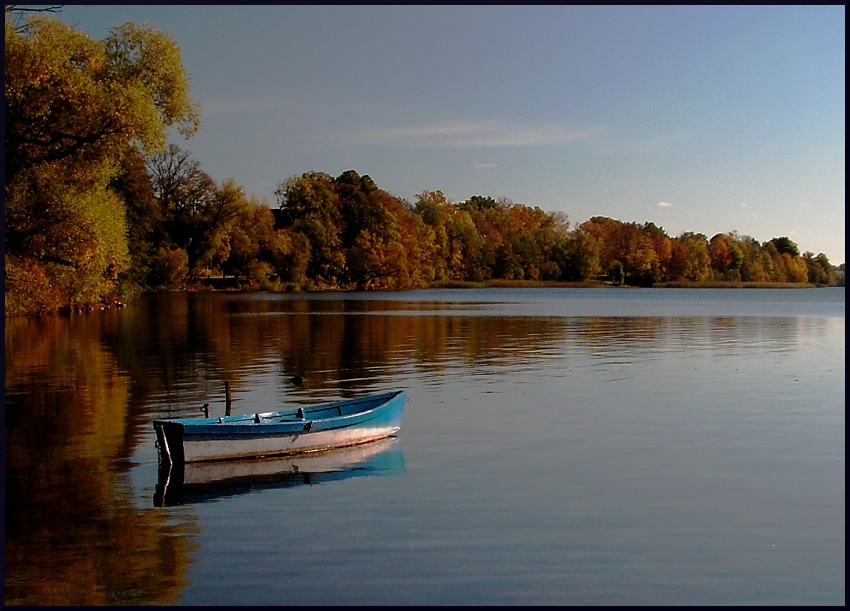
{"x":99,"y":208}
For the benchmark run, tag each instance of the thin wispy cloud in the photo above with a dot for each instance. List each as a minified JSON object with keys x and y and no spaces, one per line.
{"x":664,"y":204}
{"x":475,"y":134}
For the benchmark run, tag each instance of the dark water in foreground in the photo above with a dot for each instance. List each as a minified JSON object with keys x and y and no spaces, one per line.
{"x":560,"y":446}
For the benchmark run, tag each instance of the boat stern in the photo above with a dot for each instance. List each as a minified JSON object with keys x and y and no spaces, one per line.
{"x":169,"y":441}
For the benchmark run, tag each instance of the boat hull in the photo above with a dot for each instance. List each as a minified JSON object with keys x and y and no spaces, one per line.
{"x":324,"y":427}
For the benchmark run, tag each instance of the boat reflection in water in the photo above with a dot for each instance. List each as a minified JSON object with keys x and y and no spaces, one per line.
{"x":186,"y":483}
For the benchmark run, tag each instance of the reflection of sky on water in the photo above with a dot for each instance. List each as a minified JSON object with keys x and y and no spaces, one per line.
{"x":576,"y":447}
{"x":630,"y":302}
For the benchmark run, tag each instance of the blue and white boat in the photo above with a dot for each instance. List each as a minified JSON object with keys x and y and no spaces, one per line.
{"x":318,"y":428}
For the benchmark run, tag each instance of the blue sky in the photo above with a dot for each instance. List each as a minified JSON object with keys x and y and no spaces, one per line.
{"x":707,"y":119}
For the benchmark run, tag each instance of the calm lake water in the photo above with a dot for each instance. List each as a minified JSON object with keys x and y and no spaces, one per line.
{"x":559,"y":446}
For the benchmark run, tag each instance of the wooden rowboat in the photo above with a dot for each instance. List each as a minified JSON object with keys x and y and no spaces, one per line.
{"x":296,"y":431}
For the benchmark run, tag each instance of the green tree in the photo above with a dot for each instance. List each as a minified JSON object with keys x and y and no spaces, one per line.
{"x":477,"y":203}
{"x":435,"y":210}
{"x":820,"y":269}
{"x":74,"y":108}
{"x":695,"y":264}
{"x":417,"y":240}
{"x":618,"y":274}
{"x":752,"y":264}
{"x":197,"y":213}
{"x":784,"y":245}
{"x":786,"y":265}
{"x":310,"y":206}
{"x":580,"y":261}
{"x":133,"y":184}
{"x":358,"y":208}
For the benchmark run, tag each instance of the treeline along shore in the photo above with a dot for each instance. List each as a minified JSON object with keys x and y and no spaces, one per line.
{"x":99,"y":208}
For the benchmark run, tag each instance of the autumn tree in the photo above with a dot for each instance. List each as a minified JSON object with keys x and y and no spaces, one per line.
{"x":17,"y":15}
{"x":75,"y":107}
{"x":726,"y":257}
{"x":662,"y":247}
{"x":357,"y":235}
{"x":257,"y":250}
{"x":498,"y":224}
{"x":785,"y":261}
{"x":385,"y":252}
{"x":370,"y":234}
{"x":184,"y":193}
{"x":754,"y":266}
{"x":604,"y":232}
{"x":453,"y":237}
{"x":626,"y":250}
{"x":133,"y":184}
{"x":689,"y":258}
{"x":532,"y":235}
{"x":310,"y":206}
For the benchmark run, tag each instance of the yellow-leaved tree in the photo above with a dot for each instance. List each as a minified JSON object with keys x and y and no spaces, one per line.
{"x":74,"y":108}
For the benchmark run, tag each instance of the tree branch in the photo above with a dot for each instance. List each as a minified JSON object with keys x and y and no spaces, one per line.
{"x":17,"y":12}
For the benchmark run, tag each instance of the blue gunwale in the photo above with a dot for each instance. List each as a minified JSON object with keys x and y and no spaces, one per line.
{"x":281,"y":419}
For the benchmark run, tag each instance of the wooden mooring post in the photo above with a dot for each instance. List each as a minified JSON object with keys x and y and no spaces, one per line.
{"x":227,"y":401}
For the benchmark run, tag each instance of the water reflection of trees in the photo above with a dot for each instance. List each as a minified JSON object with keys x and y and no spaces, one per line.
{"x":81,"y":392}
{"x":73,"y":535}
{"x":189,"y":344}
{"x":175,"y":349}
{"x":71,"y":541}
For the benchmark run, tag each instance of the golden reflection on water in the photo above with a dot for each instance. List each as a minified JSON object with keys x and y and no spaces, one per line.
{"x":81,"y":391}
{"x":73,"y":535}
